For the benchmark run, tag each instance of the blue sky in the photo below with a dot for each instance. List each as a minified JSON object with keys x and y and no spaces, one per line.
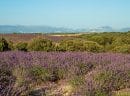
{"x":66,"y":13}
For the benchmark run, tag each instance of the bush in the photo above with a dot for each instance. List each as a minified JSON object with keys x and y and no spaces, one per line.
{"x":39,"y":73}
{"x":40,"y":44}
{"x":79,"y":45}
{"x":104,"y":76}
{"x":11,"y":45}
{"x":109,"y":81}
{"x":122,"y":49}
{"x":118,"y":42}
{"x":100,"y":93}
{"x":38,"y":92}
{"x":61,"y":73}
{"x":7,"y":81}
{"x":99,"y":39}
{"x":77,"y":81}
{"x":93,"y":46}
{"x":83,"y":68}
{"x":55,"y":75}
{"x":22,"y":46}
{"x":21,"y":75}
{"x":3,"y":45}
{"x":124,"y":92}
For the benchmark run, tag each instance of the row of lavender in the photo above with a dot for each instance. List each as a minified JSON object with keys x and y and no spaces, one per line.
{"x":90,"y":74}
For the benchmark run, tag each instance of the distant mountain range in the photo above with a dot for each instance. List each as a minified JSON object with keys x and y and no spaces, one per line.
{"x":49,"y":29}
{"x":109,"y":29}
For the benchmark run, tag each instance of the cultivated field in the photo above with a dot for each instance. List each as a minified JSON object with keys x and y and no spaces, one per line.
{"x":96,"y":64}
{"x":27,"y":37}
{"x":64,"y":74}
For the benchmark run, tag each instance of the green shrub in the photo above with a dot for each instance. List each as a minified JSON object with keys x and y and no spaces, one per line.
{"x":6,"y":79}
{"x":93,"y":47}
{"x":57,"y":74}
{"x":37,"y":92}
{"x":61,"y":73}
{"x":54,"y":77}
{"x":21,"y":75}
{"x":118,"y":42}
{"x":42,"y":74}
{"x":101,"y":38}
{"x":83,"y":68}
{"x":40,"y":44}
{"x":109,"y":81}
{"x":22,"y":46}
{"x":103,"y":76}
{"x":3,"y":45}
{"x":128,"y":73}
{"x":98,"y":39}
{"x":77,"y":81}
{"x":100,"y":93}
{"x":39,"y":73}
{"x":79,"y":45}
{"x":11,"y":45}
{"x":123,"y":92}
{"x":122,"y":49}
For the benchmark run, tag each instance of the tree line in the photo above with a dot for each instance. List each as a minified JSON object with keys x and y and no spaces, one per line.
{"x":93,"y":42}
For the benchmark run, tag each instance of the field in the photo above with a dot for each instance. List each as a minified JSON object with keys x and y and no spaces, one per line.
{"x":72,"y":73}
{"x":74,"y":67}
{"x":65,"y":48}
{"x":27,"y":37}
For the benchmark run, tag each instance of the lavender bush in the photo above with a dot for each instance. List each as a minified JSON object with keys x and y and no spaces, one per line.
{"x":89,"y":74}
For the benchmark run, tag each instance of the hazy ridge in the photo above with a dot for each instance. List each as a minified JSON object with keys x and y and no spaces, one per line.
{"x":49,"y":29}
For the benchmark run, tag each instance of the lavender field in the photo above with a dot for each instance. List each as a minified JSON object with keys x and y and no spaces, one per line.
{"x":64,"y":47}
{"x":64,"y":74}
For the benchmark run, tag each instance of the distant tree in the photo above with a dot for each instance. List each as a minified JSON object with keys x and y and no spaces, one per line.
{"x":15,"y":32}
